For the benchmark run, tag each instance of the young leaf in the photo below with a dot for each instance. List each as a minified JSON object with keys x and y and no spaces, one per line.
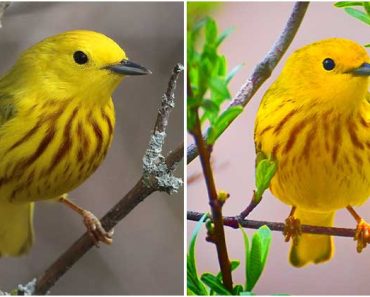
{"x":237,"y":290}
{"x":367,"y":7}
{"x":214,"y":284}
{"x":264,"y":173}
{"x":246,"y":252}
{"x":193,"y":282}
{"x":367,"y":45}
{"x":223,"y":35}
{"x":211,"y":110}
{"x":358,"y":15}
{"x":347,"y":3}
{"x":258,"y":255}
{"x":222,"y":122}
{"x":219,"y":86}
{"x":211,"y":31}
{"x":232,"y":73}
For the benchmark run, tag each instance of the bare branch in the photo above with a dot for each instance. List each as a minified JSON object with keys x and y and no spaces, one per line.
{"x":235,"y":221}
{"x":137,"y":194}
{"x":264,"y":69}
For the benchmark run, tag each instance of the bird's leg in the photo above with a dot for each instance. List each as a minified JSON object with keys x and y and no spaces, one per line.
{"x":362,"y":235}
{"x":292,"y":228}
{"x":92,"y":223}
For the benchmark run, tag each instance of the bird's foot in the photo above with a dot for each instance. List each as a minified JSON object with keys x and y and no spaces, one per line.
{"x":362,"y":235}
{"x":95,"y":229}
{"x":292,"y":229}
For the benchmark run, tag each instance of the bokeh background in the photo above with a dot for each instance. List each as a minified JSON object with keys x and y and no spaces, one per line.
{"x":147,"y":254}
{"x":257,"y":26}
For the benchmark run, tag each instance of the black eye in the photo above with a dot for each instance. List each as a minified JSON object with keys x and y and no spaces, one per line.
{"x":80,"y":57}
{"x":328,"y":64}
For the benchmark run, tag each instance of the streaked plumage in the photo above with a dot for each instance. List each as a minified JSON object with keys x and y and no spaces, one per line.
{"x":57,"y":123}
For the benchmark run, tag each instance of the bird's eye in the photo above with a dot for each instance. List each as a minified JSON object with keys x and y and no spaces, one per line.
{"x":80,"y":57}
{"x":328,"y":64}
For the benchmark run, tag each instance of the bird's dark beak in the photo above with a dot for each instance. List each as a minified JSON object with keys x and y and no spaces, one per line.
{"x":363,"y":70}
{"x":127,"y":67}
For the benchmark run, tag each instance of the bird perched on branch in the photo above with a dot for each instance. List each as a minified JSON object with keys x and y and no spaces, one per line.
{"x":314,"y":121}
{"x":56,"y":126}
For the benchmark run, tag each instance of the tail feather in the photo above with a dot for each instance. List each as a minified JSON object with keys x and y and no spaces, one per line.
{"x":16,"y":228}
{"x":312,"y":248}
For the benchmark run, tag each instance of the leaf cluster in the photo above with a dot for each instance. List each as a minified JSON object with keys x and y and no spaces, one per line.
{"x":363,"y":15}
{"x":256,"y":254}
{"x":208,"y":79}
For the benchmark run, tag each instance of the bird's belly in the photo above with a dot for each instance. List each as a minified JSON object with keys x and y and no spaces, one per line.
{"x":318,"y":183}
{"x":53,"y":156}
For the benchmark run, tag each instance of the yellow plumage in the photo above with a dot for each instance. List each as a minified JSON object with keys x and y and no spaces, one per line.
{"x":56,"y":124}
{"x":316,"y":123}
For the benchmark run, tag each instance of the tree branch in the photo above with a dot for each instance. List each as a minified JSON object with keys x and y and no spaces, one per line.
{"x":235,"y":221}
{"x":217,"y":236}
{"x":157,"y":169}
{"x":264,"y":69}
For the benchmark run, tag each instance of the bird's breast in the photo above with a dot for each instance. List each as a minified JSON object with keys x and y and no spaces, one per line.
{"x":53,"y":148}
{"x":323,"y":156}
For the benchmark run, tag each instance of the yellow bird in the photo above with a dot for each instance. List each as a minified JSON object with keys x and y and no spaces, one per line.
{"x":56,"y":126}
{"x":315,"y":122}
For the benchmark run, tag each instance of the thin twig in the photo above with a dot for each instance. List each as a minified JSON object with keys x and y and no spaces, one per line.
{"x":137,"y":194}
{"x":218,"y":234}
{"x":264,"y":69}
{"x":235,"y":221}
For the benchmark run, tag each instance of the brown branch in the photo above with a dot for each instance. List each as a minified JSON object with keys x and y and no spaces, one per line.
{"x":137,"y":194}
{"x":217,"y":236}
{"x":264,"y":69}
{"x":235,"y":221}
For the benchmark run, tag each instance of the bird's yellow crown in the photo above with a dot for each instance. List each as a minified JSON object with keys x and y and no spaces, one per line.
{"x":325,"y":67}
{"x":53,"y":66}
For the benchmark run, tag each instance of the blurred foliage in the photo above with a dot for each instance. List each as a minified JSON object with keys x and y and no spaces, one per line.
{"x":255,"y":259}
{"x":208,"y":79}
{"x":362,"y":14}
{"x":198,"y":10}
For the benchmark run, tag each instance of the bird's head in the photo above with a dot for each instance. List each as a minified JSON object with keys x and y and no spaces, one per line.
{"x":82,"y":64}
{"x":335,"y":70}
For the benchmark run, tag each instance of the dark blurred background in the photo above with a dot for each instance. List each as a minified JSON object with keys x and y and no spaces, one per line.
{"x":147,"y":254}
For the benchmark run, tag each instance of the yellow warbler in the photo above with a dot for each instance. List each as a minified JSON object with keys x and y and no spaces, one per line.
{"x":315,"y":122}
{"x":56,"y":125}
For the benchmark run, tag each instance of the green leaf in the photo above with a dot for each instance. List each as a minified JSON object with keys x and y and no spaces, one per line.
{"x":367,"y":7}
{"x":222,"y":66}
{"x":258,"y":255}
{"x":358,"y":15}
{"x":246,"y":252}
{"x":191,"y":119}
{"x":264,"y":173}
{"x":223,"y":35}
{"x":232,"y":73}
{"x":237,"y":290}
{"x":211,"y":31}
{"x":367,"y":45}
{"x":193,"y":282}
{"x":211,"y":110}
{"x":219,"y":86}
{"x":223,"y":122}
{"x":347,"y":3}
{"x":214,"y":284}
{"x":234,"y":264}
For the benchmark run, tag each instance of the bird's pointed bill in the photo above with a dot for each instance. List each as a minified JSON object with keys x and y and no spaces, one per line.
{"x":127,"y":67}
{"x":363,"y":70}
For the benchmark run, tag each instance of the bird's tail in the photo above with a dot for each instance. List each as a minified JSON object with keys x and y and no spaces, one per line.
{"x":16,"y":228}
{"x":311,"y":247}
